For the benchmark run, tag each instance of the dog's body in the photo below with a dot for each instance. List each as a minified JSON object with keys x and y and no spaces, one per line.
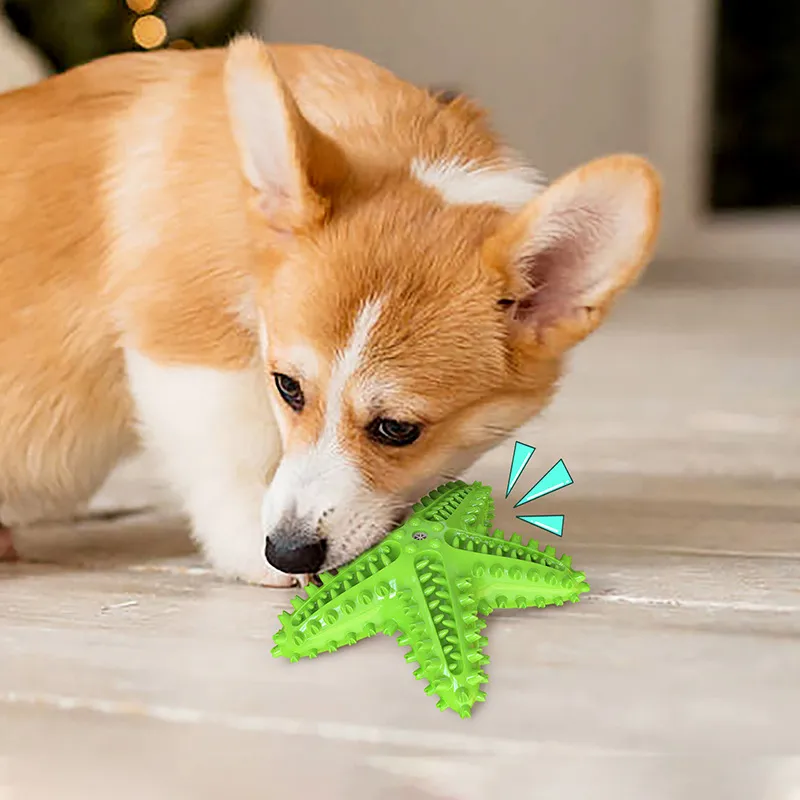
{"x":174,"y":227}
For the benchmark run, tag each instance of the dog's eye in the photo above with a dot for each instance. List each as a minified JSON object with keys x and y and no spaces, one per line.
{"x":393,"y":432}
{"x":289,"y":389}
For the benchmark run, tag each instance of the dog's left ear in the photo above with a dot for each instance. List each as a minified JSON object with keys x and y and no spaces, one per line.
{"x":573,"y":248}
{"x":278,"y":147}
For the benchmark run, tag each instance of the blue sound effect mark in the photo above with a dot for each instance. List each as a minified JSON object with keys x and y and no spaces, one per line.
{"x":522,"y":455}
{"x":557,"y":477}
{"x":554,"y":524}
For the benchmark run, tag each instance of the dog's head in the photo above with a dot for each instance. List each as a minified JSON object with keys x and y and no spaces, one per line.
{"x":408,"y":324}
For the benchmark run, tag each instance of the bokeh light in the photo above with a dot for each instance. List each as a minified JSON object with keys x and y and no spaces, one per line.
{"x":149,"y":32}
{"x":141,"y":6}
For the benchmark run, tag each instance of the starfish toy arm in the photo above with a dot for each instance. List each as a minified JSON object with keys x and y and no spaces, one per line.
{"x":346,"y":608}
{"x":506,"y":573}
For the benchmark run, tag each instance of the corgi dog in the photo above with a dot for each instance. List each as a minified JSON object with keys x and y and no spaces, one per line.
{"x":313,"y":289}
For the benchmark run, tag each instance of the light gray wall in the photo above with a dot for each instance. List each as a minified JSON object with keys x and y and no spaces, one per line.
{"x":20,"y":64}
{"x":566,"y":80}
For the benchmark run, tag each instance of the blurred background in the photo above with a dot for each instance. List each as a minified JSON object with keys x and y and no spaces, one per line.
{"x":680,"y":422}
{"x":707,"y":89}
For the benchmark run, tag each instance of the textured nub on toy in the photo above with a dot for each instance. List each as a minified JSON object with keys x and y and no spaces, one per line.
{"x":428,"y":581}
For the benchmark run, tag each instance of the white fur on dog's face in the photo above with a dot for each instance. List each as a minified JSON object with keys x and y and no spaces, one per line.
{"x":327,"y":493}
{"x":319,"y":484}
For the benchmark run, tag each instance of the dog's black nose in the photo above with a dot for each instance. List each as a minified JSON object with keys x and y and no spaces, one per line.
{"x":295,"y":557}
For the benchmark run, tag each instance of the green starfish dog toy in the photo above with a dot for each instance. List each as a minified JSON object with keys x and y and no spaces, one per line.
{"x":429,"y":579}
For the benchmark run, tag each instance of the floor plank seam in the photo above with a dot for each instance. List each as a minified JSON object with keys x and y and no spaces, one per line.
{"x":351,"y":732}
{"x":710,"y":605}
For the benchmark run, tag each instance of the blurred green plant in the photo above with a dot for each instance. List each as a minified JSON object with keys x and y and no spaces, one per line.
{"x":72,"y":32}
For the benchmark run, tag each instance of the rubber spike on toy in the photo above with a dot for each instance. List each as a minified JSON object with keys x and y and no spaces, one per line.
{"x":425,"y":581}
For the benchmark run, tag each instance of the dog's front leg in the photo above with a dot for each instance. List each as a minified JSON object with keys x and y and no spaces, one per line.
{"x":218,"y":443}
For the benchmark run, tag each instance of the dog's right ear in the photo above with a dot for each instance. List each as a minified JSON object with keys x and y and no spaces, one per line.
{"x":573,"y":248}
{"x":275,"y":140}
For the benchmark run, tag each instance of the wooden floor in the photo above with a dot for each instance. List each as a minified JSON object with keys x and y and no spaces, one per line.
{"x":128,"y":671}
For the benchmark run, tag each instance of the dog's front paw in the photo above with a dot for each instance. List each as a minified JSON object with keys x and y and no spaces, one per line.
{"x":241,"y":557}
{"x":271,"y":577}
{"x":255,"y":571}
